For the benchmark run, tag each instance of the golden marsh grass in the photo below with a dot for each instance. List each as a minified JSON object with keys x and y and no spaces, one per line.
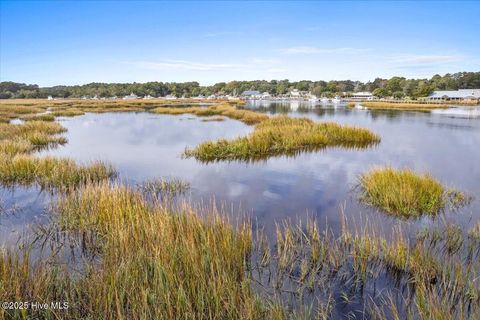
{"x":283,"y":135}
{"x":50,"y":172}
{"x":160,"y":262}
{"x":406,"y":193}
{"x":401,"y":106}
{"x":229,"y":111}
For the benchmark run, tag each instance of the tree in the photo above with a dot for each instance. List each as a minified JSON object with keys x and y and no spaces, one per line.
{"x":380,"y":92}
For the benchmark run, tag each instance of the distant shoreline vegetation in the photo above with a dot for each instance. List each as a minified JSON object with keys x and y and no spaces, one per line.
{"x":396,"y":87}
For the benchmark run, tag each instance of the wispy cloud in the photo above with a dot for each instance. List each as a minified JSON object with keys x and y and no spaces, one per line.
{"x":315,"y":50}
{"x":426,"y":59}
{"x":184,"y":65}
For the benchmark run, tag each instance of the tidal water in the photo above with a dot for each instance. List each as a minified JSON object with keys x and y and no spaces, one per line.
{"x":320,"y":184}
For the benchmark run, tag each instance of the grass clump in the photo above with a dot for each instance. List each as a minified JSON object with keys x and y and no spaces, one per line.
{"x":406,"y":193}
{"x":283,"y":135}
{"x":213,"y":119}
{"x":163,"y":187}
{"x":39,"y":117}
{"x":29,"y":136}
{"x":68,"y":113}
{"x":50,"y":172}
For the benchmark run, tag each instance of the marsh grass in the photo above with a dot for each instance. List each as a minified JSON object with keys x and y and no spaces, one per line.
{"x":213,"y":119}
{"x":283,"y":135}
{"x":161,"y":262}
{"x":407,"y":194}
{"x":29,"y":136}
{"x":39,"y":117}
{"x":50,"y":172}
{"x":436,"y":273}
{"x":68,"y":113}
{"x":155,"y":264}
{"x":402,"y":106}
{"x":164,"y":187}
{"x":246,"y":116}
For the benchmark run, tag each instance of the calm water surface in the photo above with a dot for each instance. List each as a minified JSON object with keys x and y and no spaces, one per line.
{"x":322,"y":184}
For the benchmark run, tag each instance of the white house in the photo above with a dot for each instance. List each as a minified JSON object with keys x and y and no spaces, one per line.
{"x":50,"y":98}
{"x":365,"y":95}
{"x":266,"y":95}
{"x":251,"y":94}
{"x":295,"y":93}
{"x":132,"y":96}
{"x":461,"y":94}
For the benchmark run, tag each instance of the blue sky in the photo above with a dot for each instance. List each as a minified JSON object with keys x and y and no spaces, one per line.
{"x":51,"y":43}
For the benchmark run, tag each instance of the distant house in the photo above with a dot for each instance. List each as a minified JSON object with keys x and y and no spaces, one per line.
{"x":170,"y":97}
{"x":458,"y":95}
{"x":362,"y":96}
{"x":50,"y":98}
{"x":295,"y":93}
{"x":147,"y":97}
{"x":266,"y":95}
{"x":251,"y":94}
{"x":132,"y":96}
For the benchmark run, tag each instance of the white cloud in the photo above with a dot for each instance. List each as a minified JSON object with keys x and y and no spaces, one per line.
{"x":185,"y":65}
{"x":315,"y":50}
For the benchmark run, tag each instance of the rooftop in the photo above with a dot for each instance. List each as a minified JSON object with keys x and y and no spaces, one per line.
{"x":461,"y":93}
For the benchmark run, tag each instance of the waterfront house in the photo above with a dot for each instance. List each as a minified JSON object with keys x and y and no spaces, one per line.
{"x":361,"y":96}
{"x":132,"y":96}
{"x":251,"y":94}
{"x":266,"y":95}
{"x":295,"y":93}
{"x":455,"y":95}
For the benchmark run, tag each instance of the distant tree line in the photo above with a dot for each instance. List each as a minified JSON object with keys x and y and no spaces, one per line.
{"x":397,"y":87}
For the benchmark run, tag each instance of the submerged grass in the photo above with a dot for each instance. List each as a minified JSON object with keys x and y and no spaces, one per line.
{"x":283,"y":135}
{"x":406,"y":193}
